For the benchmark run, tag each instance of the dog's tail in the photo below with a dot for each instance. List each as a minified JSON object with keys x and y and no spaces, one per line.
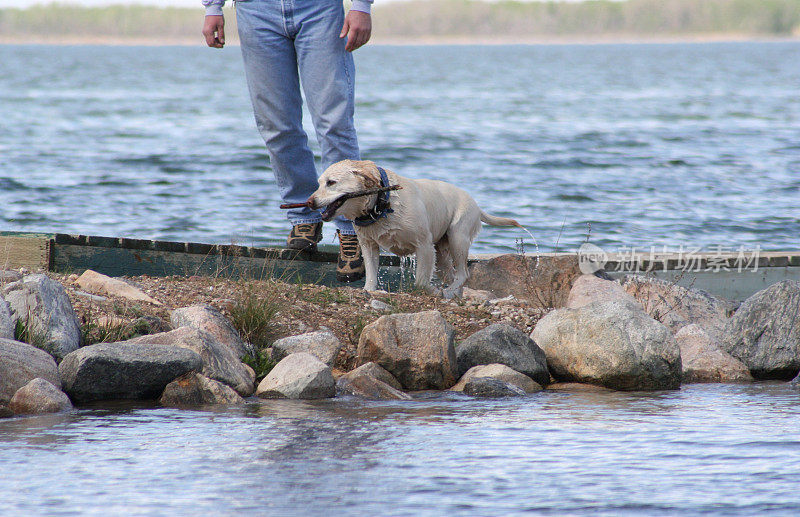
{"x":498,"y":221}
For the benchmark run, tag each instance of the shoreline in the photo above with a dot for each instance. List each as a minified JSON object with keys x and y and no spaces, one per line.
{"x":611,"y":39}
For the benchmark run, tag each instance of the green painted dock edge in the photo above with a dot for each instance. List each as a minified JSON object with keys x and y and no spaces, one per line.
{"x":729,"y":275}
{"x":133,"y":257}
{"x":119,"y":256}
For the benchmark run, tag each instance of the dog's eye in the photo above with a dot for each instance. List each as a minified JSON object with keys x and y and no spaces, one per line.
{"x":330,"y":183}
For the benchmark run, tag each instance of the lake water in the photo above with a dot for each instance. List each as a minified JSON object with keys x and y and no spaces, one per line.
{"x":640,"y":145}
{"x":636,"y":145}
{"x":703,"y":450}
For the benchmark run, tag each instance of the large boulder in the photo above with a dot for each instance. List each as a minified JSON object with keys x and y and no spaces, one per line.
{"x":110,"y":371}
{"x":376,"y":371}
{"x":298,"y":376}
{"x":489,"y":387}
{"x":588,"y":289}
{"x":676,"y":306}
{"x":39,"y":396}
{"x":416,"y":348}
{"x":43,"y":305}
{"x":209,"y":319}
{"x":764,"y":333}
{"x":543,"y":281}
{"x":322,"y":344}
{"x":7,"y":323}
{"x":501,"y":343}
{"x":610,"y":344}
{"x":20,"y":363}
{"x":99,"y":283}
{"x":194,"y":389}
{"x":367,"y":387}
{"x":219,"y":361}
{"x":704,"y":361}
{"x":500,"y":372}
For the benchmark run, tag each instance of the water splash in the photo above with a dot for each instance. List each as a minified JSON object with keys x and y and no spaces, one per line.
{"x":520,"y":245}
{"x":408,"y":268}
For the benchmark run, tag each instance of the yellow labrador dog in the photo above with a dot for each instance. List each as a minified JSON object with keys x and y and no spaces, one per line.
{"x":436,"y":220}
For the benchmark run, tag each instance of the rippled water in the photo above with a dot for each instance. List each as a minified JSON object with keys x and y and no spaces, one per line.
{"x":706,"y":449}
{"x":693,"y":144}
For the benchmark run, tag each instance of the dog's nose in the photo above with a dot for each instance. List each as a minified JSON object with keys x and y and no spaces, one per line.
{"x":311,"y":202}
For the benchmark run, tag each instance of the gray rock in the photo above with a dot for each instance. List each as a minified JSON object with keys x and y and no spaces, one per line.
{"x":610,"y":344}
{"x":39,"y":396}
{"x":209,"y":319}
{"x":489,"y":387}
{"x":764,"y":333}
{"x":7,"y":323}
{"x":677,"y":306}
{"x":500,"y":372}
{"x":193,"y":389}
{"x":89,"y":296}
{"x":477,"y":295}
{"x":416,"y":348}
{"x":368,"y":387}
{"x":795,"y":383}
{"x":111,"y":371}
{"x":20,"y":363}
{"x":588,"y":289}
{"x":219,"y":361}
{"x":45,"y":307}
{"x":322,"y":344}
{"x":501,"y":343}
{"x":375,"y":370}
{"x":298,"y":376}
{"x":704,"y":361}
{"x":5,"y":412}
{"x":380,"y":306}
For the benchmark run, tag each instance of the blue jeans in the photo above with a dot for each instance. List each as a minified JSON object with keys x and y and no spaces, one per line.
{"x":286,"y":43}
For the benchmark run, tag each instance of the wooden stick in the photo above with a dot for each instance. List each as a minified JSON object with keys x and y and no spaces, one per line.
{"x":345,"y":197}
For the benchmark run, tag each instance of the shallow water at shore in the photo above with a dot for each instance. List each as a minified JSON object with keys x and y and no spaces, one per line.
{"x":706,"y":449}
{"x":639,"y":145}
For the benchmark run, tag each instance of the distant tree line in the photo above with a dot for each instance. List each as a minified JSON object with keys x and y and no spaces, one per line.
{"x":596,"y":17}
{"x":439,"y":18}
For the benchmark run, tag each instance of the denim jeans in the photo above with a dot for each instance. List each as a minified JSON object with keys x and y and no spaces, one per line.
{"x":286,"y":43}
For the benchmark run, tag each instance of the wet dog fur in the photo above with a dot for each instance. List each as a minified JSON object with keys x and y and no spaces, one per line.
{"x":433,"y":219}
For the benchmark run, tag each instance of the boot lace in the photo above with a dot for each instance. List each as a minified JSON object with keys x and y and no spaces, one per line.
{"x":348,"y":244}
{"x":305,"y":228}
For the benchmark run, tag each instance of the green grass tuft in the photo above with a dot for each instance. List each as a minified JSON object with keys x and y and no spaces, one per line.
{"x":253,"y":313}
{"x":28,"y":334}
{"x":253,"y":317}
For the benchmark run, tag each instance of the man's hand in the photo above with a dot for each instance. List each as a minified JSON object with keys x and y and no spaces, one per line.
{"x":358,"y":28}
{"x":214,"y":31}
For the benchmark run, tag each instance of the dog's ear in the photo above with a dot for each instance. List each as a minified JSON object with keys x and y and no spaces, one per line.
{"x":369,"y":178}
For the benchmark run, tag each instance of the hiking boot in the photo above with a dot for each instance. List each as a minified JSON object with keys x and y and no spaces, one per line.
{"x":350,"y":266}
{"x":305,"y":237}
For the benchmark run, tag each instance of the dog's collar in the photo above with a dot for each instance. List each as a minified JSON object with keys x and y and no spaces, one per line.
{"x":380,"y":209}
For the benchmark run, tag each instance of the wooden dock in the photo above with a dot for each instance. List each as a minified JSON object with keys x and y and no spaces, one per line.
{"x":731,"y":275}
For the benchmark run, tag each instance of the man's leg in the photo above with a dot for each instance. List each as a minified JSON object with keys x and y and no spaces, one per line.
{"x":270,"y":63}
{"x":327,"y":73}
